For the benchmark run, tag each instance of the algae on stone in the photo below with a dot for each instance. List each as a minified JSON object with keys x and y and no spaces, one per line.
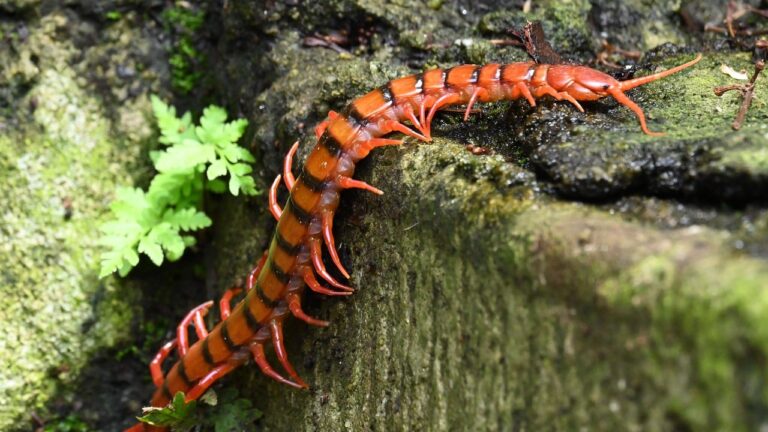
{"x":487,"y":299}
{"x":63,"y":150}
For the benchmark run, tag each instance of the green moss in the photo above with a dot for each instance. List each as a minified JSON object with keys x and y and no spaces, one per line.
{"x":60,"y":159}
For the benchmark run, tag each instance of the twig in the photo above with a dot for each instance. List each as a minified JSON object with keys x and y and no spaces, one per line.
{"x":747,"y":93}
{"x":536,"y":44}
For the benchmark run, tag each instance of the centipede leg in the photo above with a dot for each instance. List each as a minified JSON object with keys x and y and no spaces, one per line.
{"x":547,"y":90}
{"x":350,"y":183}
{"x":205,"y":382}
{"x":479,"y":91}
{"x":225,"y":301}
{"x":320,"y":129}
{"x":294,"y":304}
{"x":411,"y":116}
{"x":254,"y":274}
{"x":257,"y":350}
{"x":446,"y":99}
{"x":276,"y":330}
{"x":156,"y":365}
{"x":396,"y":126}
{"x":363,"y":149}
{"x":627,"y":102}
{"x":315,"y":252}
{"x":526,"y":92}
{"x":287,"y":164}
{"x":195,"y":316}
{"x":330,"y":243}
{"x":315,"y":286}
{"x":274,"y":207}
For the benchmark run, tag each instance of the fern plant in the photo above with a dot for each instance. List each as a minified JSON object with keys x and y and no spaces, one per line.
{"x":156,"y":222}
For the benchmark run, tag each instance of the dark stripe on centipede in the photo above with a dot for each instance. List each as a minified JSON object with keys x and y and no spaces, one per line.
{"x":279,"y":273}
{"x":446,"y":72}
{"x":419,"y":84}
{"x":183,"y":374}
{"x":251,"y":320}
{"x":331,"y":145}
{"x":207,"y":356}
{"x":303,"y":216}
{"x":231,"y":346}
{"x":502,"y":68}
{"x":388,"y":86}
{"x":313,"y":183}
{"x":285,"y":245}
{"x":264,"y":299}
{"x":354,"y":116}
{"x":386,"y":93}
{"x":475,"y":75}
{"x":166,"y":392}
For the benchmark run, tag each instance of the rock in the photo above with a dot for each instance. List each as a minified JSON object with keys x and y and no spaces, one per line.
{"x":64,"y":147}
{"x":586,"y":276}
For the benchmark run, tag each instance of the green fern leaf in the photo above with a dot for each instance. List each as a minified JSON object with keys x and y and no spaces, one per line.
{"x":187,"y":219}
{"x":178,"y":414}
{"x":217,"y":169}
{"x":149,"y":247}
{"x":173,"y":130}
{"x":184,"y":157}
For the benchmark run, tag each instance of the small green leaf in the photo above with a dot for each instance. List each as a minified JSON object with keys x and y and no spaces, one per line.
{"x":187,"y":219}
{"x":240,"y":169}
{"x":217,"y":169}
{"x":150,"y":248}
{"x":184,"y":157}
{"x":234,"y":185}
{"x":177,"y":414}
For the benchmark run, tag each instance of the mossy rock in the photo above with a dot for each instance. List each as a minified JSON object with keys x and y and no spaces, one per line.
{"x":581,"y":276}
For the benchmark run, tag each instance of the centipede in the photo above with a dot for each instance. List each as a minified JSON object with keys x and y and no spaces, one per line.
{"x":274,"y":289}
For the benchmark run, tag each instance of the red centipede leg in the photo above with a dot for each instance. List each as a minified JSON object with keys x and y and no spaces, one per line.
{"x":182,"y":337}
{"x":320,"y":129}
{"x":627,"y":102}
{"x":547,"y":90}
{"x":257,"y":349}
{"x":479,"y":91}
{"x":254,"y":274}
{"x":225,"y":302}
{"x":396,"y":126}
{"x":156,"y":365}
{"x":315,"y":252}
{"x":294,"y":304}
{"x":274,"y":207}
{"x":276,"y":329}
{"x":330,"y":243}
{"x":287,"y":164}
{"x":205,"y":382}
{"x":411,"y":116}
{"x":446,"y":99}
{"x":350,"y":183}
{"x":315,"y":286}
{"x":364,"y":148}
{"x":526,"y":92}
{"x":426,"y":101}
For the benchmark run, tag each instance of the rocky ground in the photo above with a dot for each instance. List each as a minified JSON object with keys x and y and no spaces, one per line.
{"x":576,"y":274}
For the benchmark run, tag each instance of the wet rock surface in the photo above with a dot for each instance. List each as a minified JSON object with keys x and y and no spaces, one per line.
{"x":580,"y":274}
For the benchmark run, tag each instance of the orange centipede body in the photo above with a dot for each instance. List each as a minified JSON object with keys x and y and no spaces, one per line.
{"x":293,"y":260}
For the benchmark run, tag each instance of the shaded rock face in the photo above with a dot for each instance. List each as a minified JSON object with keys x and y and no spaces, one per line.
{"x":581,"y":276}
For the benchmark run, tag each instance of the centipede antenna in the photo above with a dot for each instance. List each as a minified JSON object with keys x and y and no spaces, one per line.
{"x":635,"y":82}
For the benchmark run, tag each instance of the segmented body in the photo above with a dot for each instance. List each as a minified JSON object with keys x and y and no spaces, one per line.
{"x":275,"y":287}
